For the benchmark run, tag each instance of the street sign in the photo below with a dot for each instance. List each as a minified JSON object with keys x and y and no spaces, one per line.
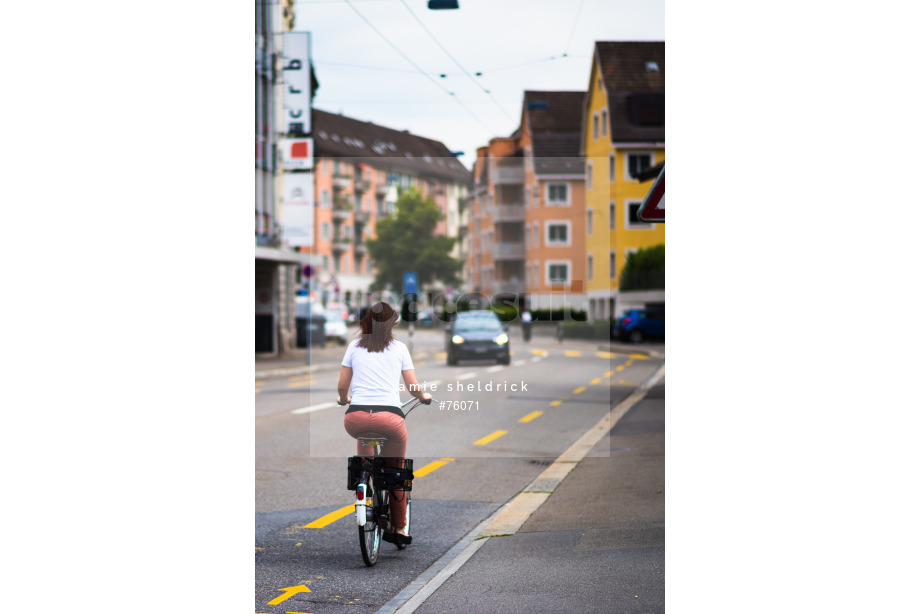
{"x":410,"y":283}
{"x":307,"y":271}
{"x":652,"y":209}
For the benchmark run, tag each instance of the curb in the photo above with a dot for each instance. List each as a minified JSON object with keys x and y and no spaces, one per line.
{"x":297,"y":370}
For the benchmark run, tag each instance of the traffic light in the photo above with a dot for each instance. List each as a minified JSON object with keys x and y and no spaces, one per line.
{"x":409,"y":311}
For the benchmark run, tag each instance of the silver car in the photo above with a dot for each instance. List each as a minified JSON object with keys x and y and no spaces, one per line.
{"x":336,"y":328}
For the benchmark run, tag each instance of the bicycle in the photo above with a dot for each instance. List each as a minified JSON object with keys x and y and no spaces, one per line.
{"x":372,"y":478}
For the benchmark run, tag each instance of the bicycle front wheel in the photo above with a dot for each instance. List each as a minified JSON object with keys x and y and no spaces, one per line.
{"x":369,"y":535}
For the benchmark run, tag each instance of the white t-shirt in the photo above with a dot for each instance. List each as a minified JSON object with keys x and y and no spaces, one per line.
{"x":377,"y":374}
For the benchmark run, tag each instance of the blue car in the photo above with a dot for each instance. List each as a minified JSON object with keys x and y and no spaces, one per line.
{"x":638,"y":324}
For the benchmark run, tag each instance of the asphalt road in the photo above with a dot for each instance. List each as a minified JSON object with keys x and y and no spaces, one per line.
{"x":517,"y":420}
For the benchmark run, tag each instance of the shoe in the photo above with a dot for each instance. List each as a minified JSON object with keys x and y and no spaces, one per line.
{"x":397,"y":538}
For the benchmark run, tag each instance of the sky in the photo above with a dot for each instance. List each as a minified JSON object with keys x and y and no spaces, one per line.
{"x":383,"y":60}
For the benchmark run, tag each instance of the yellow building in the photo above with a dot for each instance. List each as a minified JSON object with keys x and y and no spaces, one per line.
{"x":622,"y":135}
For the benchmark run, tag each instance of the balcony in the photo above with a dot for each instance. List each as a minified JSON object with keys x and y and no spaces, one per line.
{"x":509,"y":251}
{"x":340,"y":215}
{"x":340,"y":245}
{"x":508,"y":287}
{"x":360,"y":249}
{"x":382,"y":189}
{"x":362,"y":217}
{"x":508,"y":173}
{"x":341,"y":182}
{"x":508,"y":213}
{"x":362,"y":185}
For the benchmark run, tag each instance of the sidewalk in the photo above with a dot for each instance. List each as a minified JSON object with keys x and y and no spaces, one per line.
{"x":596,"y":545}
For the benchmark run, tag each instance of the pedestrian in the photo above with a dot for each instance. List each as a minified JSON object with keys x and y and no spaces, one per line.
{"x":526,"y":323}
{"x":371,"y":368}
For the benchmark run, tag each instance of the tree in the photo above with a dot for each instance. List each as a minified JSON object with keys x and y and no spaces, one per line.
{"x":644,"y":269}
{"x":406,"y":242}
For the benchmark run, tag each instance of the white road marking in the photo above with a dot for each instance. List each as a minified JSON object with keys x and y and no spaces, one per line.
{"x":467,"y":375}
{"x":307,"y":410}
{"x":495,"y":368}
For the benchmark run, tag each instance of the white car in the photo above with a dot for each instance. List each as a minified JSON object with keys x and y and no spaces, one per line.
{"x":335,"y":325}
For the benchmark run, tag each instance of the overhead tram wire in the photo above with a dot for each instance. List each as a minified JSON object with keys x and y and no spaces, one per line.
{"x":434,"y":38}
{"x":574,"y":25}
{"x":427,"y":76}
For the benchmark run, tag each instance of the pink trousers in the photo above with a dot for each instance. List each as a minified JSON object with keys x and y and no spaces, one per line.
{"x":393,"y":427}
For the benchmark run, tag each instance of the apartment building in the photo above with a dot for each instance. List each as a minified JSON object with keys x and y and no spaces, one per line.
{"x":360,"y":169}
{"x":527,"y":216}
{"x":622,"y":135}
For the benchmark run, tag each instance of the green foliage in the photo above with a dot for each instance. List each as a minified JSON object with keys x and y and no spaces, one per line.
{"x":644,"y":269}
{"x":598,"y":330}
{"x":558,"y":315}
{"x":406,"y":241}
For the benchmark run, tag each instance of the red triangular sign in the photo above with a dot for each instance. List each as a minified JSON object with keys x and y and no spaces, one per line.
{"x":652,"y":209}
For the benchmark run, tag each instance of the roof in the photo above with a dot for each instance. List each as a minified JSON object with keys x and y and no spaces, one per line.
{"x":338,"y":136}
{"x":555,"y":121}
{"x":633,"y":74}
{"x":554,"y":112}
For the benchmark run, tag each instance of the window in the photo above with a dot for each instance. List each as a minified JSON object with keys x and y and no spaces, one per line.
{"x":557,"y":272}
{"x":613,"y":265}
{"x":604,"y":122}
{"x":589,"y":170}
{"x":536,"y":195}
{"x":590,"y":267}
{"x":594,"y":123}
{"x":632,"y":217}
{"x":613,"y":167}
{"x":557,"y":233}
{"x":590,"y":221}
{"x":326,"y":200}
{"x":613,"y":216}
{"x":557,"y":194}
{"x":536,"y":234}
{"x":325,"y":231}
{"x":638,"y":162}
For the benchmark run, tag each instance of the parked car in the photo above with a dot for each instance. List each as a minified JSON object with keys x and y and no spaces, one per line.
{"x":425,"y":317}
{"x":312,"y":313}
{"x":636,"y":325}
{"x":477,"y":335}
{"x":336,"y":328}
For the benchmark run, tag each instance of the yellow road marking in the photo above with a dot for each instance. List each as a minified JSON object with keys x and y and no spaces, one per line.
{"x":260,"y":382}
{"x":441,"y":355}
{"x":539,"y":352}
{"x":430,"y":467}
{"x":331,"y":517}
{"x":489,"y":438}
{"x":258,"y":390}
{"x":288,"y":593}
{"x":579,"y":390}
{"x":300,"y":384}
{"x":608,"y":373}
{"x":572,"y":353}
{"x":639,"y":356}
{"x":531,"y":416}
{"x":596,"y":380}
{"x":606,"y":355}
{"x":620,"y":368}
{"x":418,"y":364}
{"x":557,"y":402}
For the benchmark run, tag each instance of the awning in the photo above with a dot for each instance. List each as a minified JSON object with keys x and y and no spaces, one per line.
{"x":285,"y":256}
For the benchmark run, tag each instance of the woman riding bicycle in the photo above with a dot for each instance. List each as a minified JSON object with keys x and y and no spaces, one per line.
{"x":371,"y":368}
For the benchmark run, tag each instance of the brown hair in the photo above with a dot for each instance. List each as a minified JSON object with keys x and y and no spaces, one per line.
{"x":377,"y":327}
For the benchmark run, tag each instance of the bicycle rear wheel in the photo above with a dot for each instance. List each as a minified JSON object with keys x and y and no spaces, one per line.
{"x":369,"y":535}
